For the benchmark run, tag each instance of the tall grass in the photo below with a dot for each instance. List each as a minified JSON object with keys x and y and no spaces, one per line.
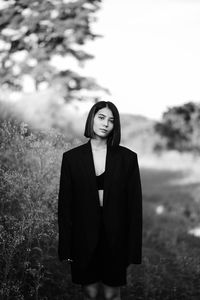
{"x":29,"y":177}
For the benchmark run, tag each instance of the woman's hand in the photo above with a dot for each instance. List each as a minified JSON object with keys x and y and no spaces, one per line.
{"x":68,"y":260}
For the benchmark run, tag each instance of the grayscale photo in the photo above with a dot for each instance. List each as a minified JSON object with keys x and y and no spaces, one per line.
{"x":99,"y":150}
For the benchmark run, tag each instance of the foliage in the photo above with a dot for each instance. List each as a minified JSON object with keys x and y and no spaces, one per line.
{"x":181,"y":127}
{"x":32,"y":33}
{"x":29,"y":176}
{"x":29,"y":266}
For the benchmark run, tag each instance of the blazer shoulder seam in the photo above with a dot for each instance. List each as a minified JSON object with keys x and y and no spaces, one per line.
{"x":74,"y":150}
{"x":127,"y":150}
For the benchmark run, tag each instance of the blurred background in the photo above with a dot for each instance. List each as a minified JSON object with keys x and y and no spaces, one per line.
{"x":59,"y":57}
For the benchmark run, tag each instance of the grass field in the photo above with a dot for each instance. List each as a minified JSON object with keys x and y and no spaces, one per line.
{"x":171,"y":256}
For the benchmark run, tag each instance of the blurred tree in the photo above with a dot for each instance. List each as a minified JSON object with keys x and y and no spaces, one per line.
{"x":181,"y":127}
{"x":33,"y":33}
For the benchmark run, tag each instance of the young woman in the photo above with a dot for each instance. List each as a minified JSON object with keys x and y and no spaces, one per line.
{"x":100,"y":206}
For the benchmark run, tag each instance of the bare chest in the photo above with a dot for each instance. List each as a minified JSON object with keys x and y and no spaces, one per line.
{"x":99,"y":158}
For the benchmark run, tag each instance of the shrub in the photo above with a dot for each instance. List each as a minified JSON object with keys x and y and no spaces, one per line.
{"x":29,"y":177}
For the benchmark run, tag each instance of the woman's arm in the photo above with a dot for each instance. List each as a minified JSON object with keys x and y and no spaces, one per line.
{"x":134,"y":214}
{"x":64,"y":211}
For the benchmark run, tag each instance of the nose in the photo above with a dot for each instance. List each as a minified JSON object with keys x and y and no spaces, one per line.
{"x":105,"y":123}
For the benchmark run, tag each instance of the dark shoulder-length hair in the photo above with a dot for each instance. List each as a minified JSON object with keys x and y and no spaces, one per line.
{"x":115,"y":135}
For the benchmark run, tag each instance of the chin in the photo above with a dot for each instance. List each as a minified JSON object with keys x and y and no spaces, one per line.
{"x":103,"y":136}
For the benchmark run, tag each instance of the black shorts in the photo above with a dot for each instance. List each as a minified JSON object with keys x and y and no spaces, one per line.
{"x":102,"y":267}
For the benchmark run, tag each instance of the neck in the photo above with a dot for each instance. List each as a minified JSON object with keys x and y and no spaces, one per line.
{"x":100,"y":144}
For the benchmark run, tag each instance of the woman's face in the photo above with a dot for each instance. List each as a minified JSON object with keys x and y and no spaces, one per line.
{"x":103,"y":122}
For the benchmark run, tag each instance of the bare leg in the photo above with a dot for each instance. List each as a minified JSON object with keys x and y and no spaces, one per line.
{"x":111,"y":293}
{"x":90,"y":291}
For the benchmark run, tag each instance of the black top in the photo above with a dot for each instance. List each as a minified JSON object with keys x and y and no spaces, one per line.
{"x":100,"y":181}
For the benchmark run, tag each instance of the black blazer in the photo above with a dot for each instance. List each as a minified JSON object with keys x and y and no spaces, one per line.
{"x":79,"y":208}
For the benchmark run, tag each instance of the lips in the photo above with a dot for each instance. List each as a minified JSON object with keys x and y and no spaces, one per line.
{"x":103,"y":130}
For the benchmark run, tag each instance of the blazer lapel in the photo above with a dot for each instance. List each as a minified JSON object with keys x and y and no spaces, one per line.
{"x":90,"y":169}
{"x":88,"y":165}
{"x":111,"y":163}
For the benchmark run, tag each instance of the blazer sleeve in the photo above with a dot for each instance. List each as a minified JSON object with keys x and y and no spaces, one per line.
{"x":134,"y":214}
{"x":64,"y":211}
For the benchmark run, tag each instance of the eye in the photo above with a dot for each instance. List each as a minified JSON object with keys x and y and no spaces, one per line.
{"x":100,"y":117}
{"x":112,"y":121}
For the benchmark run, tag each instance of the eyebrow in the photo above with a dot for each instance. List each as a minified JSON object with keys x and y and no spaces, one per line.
{"x":105,"y":116}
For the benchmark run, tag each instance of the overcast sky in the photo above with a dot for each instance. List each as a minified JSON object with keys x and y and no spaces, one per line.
{"x":149,"y":56}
